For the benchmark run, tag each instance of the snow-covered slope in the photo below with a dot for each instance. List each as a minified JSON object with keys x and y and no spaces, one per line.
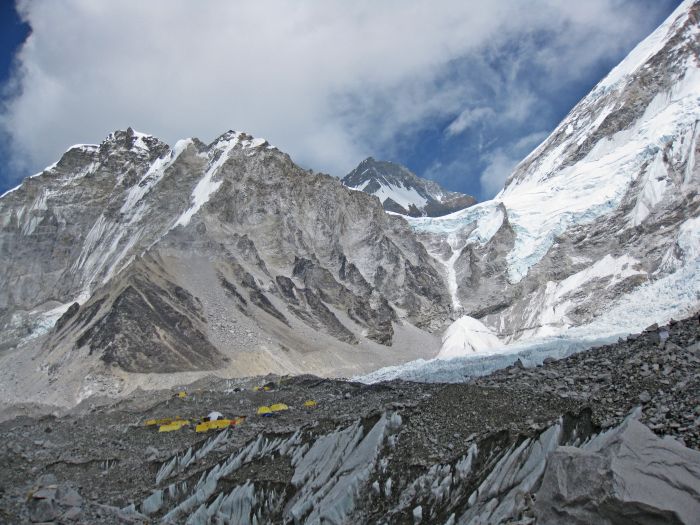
{"x":401,"y":191}
{"x":601,"y":220}
{"x":468,"y":336}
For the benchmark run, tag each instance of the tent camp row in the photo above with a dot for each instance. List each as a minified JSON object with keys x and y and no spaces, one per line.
{"x":168,"y":424}
{"x":216,"y":421}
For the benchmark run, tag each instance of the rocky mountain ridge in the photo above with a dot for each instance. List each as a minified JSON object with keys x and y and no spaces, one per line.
{"x":199,"y":257}
{"x":402,"y":191}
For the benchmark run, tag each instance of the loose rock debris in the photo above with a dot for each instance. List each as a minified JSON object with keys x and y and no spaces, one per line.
{"x":396,"y":447}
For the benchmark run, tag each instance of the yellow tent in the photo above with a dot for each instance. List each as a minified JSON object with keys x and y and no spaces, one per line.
{"x":182,"y":394}
{"x":175,"y":425}
{"x":278,"y":407}
{"x":310,"y":403}
{"x":160,"y":421}
{"x":216,"y":424}
{"x":264,"y":411}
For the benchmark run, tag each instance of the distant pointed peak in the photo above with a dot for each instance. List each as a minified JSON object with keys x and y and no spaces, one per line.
{"x":402,"y":191}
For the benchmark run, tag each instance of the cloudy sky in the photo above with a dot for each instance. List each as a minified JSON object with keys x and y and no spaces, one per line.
{"x":459,"y":91}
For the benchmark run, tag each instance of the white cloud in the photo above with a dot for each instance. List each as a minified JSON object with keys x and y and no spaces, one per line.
{"x":327,"y":81}
{"x":468,"y":118}
{"x":500,"y":165}
{"x":502,"y":162}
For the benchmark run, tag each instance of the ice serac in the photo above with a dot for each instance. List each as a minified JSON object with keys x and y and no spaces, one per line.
{"x":134,"y":256}
{"x":598,"y":225}
{"x":401,"y":191}
{"x":566,"y":473}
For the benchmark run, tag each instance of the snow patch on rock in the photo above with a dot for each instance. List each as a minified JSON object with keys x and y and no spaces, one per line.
{"x":206,"y":187}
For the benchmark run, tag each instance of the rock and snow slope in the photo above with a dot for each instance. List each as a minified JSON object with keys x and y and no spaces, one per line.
{"x":401,"y":191}
{"x":602,"y":216}
{"x":201,"y":257}
{"x":136,"y":257}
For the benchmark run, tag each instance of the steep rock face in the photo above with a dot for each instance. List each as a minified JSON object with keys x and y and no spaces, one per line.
{"x":602,"y":216}
{"x":209,"y":254}
{"x":142,"y":322}
{"x":53,"y":224}
{"x":401,"y":191}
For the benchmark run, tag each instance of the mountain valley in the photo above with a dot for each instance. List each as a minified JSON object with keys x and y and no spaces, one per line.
{"x":530,"y":359}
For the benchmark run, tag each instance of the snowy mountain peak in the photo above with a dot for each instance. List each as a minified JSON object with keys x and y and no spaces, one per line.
{"x":597,"y":229}
{"x":621,"y":147}
{"x":233,"y":138}
{"x":129,"y":139}
{"x":402,"y":191}
{"x":681,"y":27}
{"x":660,"y":69}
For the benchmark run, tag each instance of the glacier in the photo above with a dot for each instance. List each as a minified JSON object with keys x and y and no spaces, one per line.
{"x":671,"y":297}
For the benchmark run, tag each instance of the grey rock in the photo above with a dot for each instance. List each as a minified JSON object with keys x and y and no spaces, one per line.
{"x":47,"y":492}
{"x":672,"y":347}
{"x":68,"y":497}
{"x":694,"y":348}
{"x":152,"y":453}
{"x":46,"y":479}
{"x":42,"y":510}
{"x":73,"y":514}
{"x":652,"y":328}
{"x":624,"y":475}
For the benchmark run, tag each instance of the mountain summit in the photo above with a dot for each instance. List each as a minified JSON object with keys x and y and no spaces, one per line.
{"x":402,"y":191}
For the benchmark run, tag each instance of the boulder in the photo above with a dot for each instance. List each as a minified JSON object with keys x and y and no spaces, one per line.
{"x":68,"y":497}
{"x":50,"y":499}
{"x":625,"y":475}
